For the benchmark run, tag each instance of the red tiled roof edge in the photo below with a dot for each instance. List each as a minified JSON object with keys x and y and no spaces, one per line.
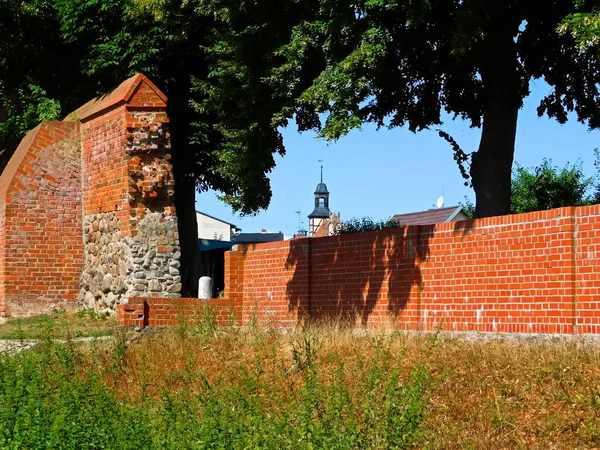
{"x":120,"y":95}
{"x":427,"y":217}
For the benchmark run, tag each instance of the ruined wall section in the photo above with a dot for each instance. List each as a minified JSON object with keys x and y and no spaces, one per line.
{"x":40,"y":226}
{"x":130,"y":226}
{"x":107,"y":261}
{"x":154,"y":239}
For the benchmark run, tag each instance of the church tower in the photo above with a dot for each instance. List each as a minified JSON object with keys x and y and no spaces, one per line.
{"x":321,"y":213}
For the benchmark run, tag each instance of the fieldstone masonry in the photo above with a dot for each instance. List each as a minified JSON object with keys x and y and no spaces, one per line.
{"x":108,"y":263}
{"x":155,"y":257}
{"x":117,"y":188}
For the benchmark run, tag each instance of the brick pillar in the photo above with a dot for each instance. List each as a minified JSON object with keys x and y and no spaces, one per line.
{"x":234,"y":279}
{"x":129,"y":221}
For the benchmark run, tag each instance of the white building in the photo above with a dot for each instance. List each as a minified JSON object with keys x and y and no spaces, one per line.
{"x":210,"y":227}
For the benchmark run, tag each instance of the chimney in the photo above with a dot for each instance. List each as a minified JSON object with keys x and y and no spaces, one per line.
{"x":263,"y":231}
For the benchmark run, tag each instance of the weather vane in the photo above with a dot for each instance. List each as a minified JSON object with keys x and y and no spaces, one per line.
{"x":299,"y":223}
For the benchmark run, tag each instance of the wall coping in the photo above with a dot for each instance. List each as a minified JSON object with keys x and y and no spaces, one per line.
{"x":120,"y":95}
{"x":461,"y":227}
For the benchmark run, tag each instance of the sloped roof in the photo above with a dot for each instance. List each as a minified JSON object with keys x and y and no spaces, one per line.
{"x":17,"y":157}
{"x":45,"y":134}
{"x":121,"y":94}
{"x":249,"y":238}
{"x":218,"y":220}
{"x":429,"y":217}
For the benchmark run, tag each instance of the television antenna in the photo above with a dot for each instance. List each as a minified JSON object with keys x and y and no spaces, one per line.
{"x":440,"y":202}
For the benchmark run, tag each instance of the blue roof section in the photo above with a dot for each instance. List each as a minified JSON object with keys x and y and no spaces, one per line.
{"x":321,"y":189}
{"x":211,"y":244}
{"x":251,"y":238}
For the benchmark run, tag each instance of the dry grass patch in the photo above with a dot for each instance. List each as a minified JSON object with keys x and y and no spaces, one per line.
{"x":59,"y":324}
{"x":321,"y":387}
{"x":485,"y":394}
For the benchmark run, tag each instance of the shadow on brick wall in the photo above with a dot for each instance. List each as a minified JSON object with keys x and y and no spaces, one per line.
{"x":364,"y":278}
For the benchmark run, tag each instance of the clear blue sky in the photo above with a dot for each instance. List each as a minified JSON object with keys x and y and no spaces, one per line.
{"x":386,"y":172}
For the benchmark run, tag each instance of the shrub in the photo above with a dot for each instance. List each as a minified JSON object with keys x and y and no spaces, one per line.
{"x":355,"y":225}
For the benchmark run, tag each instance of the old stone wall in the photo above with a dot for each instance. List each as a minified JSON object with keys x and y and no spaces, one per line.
{"x":86,"y":207}
{"x":130,"y":226}
{"x":155,"y":257}
{"x":107,"y":265}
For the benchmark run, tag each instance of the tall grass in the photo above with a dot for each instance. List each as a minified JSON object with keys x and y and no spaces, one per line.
{"x":284,"y":392}
{"x":206,"y":386}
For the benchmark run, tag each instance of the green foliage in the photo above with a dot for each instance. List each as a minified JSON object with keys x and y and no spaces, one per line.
{"x":118,"y":37}
{"x":30,"y":106}
{"x":47,"y":401}
{"x":545,"y":187}
{"x":355,"y":225}
{"x":305,"y":351}
{"x":28,"y":39}
{"x":206,"y":327}
{"x":396,"y":63}
{"x":58,"y":324}
{"x":468,"y":208}
{"x":460,"y":156}
{"x":44,"y":404}
{"x":335,"y":66}
{"x":583,"y":24}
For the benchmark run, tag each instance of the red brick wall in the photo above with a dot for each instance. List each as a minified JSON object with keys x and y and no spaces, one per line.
{"x":527,"y":273}
{"x":107,"y":160}
{"x":139,"y":311}
{"x":105,"y":165}
{"x":41,"y":249}
{"x":587,"y":264}
{"x":3,"y":311}
{"x":130,"y":226}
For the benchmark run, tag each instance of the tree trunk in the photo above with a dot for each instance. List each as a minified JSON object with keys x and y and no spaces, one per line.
{"x":185,"y":204}
{"x":491,"y":165}
{"x":185,"y":188}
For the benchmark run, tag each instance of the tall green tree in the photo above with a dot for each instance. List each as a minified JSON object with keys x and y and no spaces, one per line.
{"x":391,"y":63}
{"x":32,"y":86}
{"x":100,"y":42}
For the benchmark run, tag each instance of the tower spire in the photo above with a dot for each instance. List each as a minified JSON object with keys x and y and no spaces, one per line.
{"x":321,"y":213}
{"x":321,"y":161}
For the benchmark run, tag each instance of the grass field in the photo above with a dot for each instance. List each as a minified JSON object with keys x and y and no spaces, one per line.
{"x":209,"y":387}
{"x":59,"y":324}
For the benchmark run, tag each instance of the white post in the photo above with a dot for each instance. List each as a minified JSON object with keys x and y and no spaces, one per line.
{"x":205,"y":288}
